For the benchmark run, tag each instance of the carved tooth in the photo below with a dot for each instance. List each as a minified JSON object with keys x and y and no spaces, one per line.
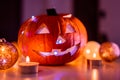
{"x":73,"y":50}
{"x":58,"y":52}
{"x":45,"y":53}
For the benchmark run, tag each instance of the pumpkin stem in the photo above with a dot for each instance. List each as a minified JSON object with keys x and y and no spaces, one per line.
{"x":51,"y":12}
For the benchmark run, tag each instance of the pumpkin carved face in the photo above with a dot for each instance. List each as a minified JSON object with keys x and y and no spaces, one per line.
{"x":52,"y":40}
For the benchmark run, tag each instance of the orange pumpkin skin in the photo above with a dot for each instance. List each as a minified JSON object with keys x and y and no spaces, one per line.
{"x":34,"y":44}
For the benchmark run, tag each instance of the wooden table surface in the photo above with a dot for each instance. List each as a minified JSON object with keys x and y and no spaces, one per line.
{"x":79,"y":70}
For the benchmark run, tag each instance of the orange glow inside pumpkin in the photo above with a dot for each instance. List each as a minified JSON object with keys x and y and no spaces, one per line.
{"x":56,"y":38}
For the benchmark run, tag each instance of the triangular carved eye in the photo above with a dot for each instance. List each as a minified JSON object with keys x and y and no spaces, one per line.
{"x":42,"y":29}
{"x":69,"y":29}
{"x":60,"y":40}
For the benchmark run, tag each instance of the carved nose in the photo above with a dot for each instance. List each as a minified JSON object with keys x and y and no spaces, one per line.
{"x":60,"y":40}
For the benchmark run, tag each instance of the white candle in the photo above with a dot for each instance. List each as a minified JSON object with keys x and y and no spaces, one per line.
{"x":28,"y":67}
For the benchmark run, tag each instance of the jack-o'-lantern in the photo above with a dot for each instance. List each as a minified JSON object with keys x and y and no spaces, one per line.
{"x":52,"y":39}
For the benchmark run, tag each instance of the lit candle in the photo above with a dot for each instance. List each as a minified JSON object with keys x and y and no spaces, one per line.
{"x":94,"y":62}
{"x":91,"y":52}
{"x":28,"y":67}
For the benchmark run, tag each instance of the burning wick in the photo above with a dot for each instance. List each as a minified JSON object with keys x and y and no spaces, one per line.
{"x":28,"y":67}
{"x":94,"y":55}
{"x":27,"y":59}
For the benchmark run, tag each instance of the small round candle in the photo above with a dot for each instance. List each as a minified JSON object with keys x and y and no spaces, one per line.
{"x":91,"y":52}
{"x":28,"y":67}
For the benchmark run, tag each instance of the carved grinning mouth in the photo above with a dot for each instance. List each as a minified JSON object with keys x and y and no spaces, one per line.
{"x":57,"y":52}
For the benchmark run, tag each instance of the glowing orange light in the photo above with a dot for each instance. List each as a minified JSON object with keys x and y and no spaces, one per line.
{"x":8,"y":54}
{"x":95,"y":74}
{"x":2,"y":48}
{"x":88,"y":51}
{"x":91,"y":50}
{"x":94,"y":55}
{"x":27,"y":59}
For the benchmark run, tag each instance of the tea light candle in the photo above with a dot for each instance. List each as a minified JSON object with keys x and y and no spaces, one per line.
{"x":28,"y":67}
{"x":94,"y":60}
{"x":91,"y":52}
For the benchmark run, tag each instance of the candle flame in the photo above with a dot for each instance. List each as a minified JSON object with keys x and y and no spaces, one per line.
{"x":94,"y":55}
{"x":27,"y":59}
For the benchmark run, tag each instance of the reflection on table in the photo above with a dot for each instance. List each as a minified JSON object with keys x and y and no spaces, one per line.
{"x":78,"y":70}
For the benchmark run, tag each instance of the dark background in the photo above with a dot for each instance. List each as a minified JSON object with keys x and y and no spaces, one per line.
{"x":85,"y":10}
{"x":10,"y":15}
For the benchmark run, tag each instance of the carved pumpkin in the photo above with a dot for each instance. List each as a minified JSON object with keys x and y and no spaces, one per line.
{"x":52,"y":39}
